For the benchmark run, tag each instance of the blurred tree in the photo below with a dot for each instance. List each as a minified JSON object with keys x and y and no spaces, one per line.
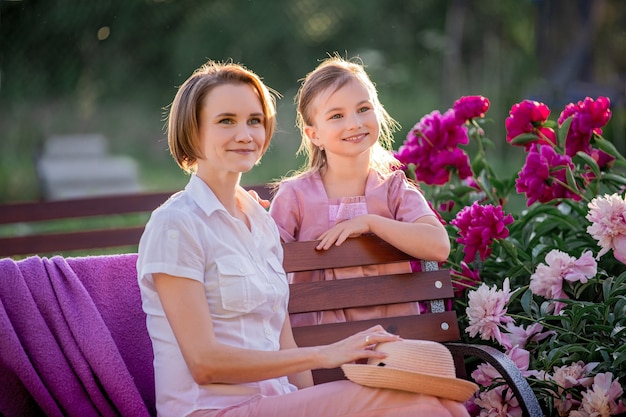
{"x":107,"y":56}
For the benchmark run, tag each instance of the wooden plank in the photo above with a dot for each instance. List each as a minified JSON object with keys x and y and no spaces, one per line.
{"x":440,"y":327}
{"x":92,"y":206}
{"x":84,"y":207}
{"x":61,"y":242}
{"x":370,"y":291}
{"x":366,"y":250}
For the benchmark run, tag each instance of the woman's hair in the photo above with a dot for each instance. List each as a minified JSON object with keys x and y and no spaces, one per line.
{"x":334,"y":73}
{"x":184,"y":115}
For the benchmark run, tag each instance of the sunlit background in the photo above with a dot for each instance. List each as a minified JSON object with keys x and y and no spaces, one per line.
{"x":102,"y":72}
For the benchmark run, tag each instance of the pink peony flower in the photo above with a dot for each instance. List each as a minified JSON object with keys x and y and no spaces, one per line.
{"x":570,"y":376}
{"x":547,"y":281}
{"x":486,"y":311}
{"x":529,"y":117}
{"x":485,"y":374}
{"x":604,"y":398}
{"x":608,"y":217}
{"x":470,"y":107}
{"x":539,"y":175}
{"x":498,"y":402}
{"x":520,"y":336}
{"x":478,"y":227}
{"x":574,"y":375}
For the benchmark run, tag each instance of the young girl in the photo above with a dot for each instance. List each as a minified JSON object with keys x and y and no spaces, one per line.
{"x":350,"y":185}
{"x":212,"y":283}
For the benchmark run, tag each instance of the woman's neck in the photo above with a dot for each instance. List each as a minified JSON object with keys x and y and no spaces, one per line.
{"x":225,"y":189}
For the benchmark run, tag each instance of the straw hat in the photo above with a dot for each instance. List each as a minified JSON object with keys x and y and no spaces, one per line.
{"x":419,"y":366}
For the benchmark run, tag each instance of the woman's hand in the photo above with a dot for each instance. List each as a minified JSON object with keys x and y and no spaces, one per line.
{"x":355,"y":347}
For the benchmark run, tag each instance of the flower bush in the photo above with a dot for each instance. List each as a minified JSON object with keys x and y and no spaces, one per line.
{"x":538,"y":257}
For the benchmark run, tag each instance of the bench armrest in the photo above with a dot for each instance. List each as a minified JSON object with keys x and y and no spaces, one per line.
{"x":509,"y":371}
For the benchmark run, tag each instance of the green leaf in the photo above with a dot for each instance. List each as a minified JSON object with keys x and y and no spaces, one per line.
{"x":562,"y":132}
{"x":607,"y":147}
{"x":607,"y":177}
{"x":524,"y":138}
{"x":587,"y":159}
{"x":571,"y":181}
{"x":509,"y":248}
{"x":478,"y":165}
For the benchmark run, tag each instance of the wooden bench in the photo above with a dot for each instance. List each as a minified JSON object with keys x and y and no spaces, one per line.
{"x":83,"y":225}
{"x":433,"y":286}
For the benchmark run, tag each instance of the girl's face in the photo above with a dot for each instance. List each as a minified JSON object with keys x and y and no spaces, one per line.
{"x":344,"y":121}
{"x":232,"y":130}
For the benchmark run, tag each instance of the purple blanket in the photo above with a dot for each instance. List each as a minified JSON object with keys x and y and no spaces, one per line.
{"x":73,"y":338}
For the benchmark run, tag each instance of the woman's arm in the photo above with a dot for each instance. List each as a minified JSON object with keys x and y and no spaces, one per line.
{"x":301,"y":379}
{"x":426,"y":238}
{"x":209,"y":361}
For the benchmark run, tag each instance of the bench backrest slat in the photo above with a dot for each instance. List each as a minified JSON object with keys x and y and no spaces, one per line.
{"x":367,"y":250}
{"x":424,"y":326}
{"x":422,"y":286}
{"x":388,"y":289}
{"x":80,"y":207}
{"x":70,"y":241}
{"x":121,"y":234}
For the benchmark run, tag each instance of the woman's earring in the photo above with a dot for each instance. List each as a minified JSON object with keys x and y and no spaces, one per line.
{"x":321,"y":148}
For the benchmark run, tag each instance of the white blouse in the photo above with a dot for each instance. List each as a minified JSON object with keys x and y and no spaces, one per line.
{"x":192,"y":235}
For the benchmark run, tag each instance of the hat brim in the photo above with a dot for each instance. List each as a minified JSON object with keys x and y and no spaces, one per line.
{"x":380,"y":377}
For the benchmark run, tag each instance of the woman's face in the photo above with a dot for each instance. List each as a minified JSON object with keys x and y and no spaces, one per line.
{"x":232,"y":130}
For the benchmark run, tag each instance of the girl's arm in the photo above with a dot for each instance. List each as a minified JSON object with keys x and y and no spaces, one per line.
{"x":426,"y":238}
{"x":210,"y":361}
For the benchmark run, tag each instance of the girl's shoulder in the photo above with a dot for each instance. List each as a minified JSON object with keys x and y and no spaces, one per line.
{"x":299,"y":179}
{"x":393,"y":179}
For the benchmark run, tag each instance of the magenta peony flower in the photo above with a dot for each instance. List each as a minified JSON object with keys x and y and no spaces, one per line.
{"x":486,"y":311}
{"x":547,"y":281}
{"x":529,"y":117}
{"x":607,"y":215}
{"x":478,"y":227}
{"x":470,"y":107}
{"x":464,"y":279}
{"x":588,"y":118}
{"x":537,"y":177}
{"x":432,"y":145}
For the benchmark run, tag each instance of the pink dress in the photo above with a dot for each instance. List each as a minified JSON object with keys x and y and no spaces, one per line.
{"x":302,"y":211}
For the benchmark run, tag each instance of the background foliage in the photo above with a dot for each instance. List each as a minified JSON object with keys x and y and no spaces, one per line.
{"x":111,"y":66}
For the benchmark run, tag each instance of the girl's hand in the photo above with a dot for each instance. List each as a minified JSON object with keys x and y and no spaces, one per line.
{"x":264,"y":203}
{"x":338,"y":234}
{"x":355,"y":347}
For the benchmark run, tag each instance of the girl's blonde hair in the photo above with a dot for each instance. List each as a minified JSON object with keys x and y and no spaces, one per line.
{"x":333,"y":73}
{"x":183,"y":135}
